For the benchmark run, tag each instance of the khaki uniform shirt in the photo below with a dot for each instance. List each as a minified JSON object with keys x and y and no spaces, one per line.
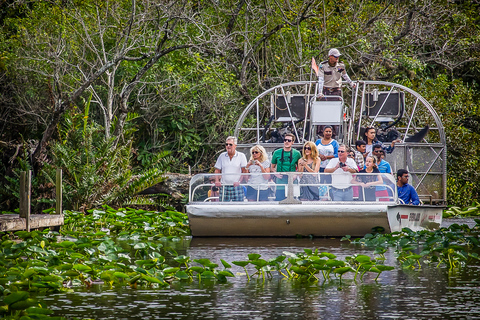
{"x":332,"y":75}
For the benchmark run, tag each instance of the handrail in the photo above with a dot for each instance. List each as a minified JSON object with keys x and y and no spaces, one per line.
{"x":199,"y":186}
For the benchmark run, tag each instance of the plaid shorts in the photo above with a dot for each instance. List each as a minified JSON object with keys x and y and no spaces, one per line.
{"x":231,"y":193}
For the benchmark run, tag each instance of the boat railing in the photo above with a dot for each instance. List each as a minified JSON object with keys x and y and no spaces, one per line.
{"x":296,"y":187}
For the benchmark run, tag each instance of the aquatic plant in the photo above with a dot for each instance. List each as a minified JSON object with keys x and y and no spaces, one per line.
{"x":457,"y":212}
{"x":453,"y":247}
{"x":306,"y":266}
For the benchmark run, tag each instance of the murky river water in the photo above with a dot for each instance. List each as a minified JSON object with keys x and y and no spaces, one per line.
{"x":429,"y":293}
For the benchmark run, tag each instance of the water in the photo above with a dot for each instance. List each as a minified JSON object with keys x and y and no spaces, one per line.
{"x":429,"y":293}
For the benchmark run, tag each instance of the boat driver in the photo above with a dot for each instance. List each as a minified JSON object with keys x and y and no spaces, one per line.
{"x":406,"y":192}
{"x":231,"y":164}
{"x":342,"y":169}
{"x":284,"y":160}
{"x":330,"y":74}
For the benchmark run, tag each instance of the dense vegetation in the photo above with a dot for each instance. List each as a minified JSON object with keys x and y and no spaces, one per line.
{"x":114,"y":92}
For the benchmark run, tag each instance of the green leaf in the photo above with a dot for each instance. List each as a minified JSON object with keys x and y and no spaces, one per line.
{"x":121,"y":275}
{"x":15,"y":297}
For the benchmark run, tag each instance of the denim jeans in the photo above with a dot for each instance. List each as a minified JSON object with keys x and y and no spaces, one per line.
{"x":342,"y":194}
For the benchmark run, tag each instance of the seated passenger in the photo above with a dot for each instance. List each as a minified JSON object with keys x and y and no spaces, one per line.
{"x":406,"y":192}
{"x":342,"y":169}
{"x":309,"y":163}
{"x":259,"y":168}
{"x":213,"y":193}
{"x":368,"y":182}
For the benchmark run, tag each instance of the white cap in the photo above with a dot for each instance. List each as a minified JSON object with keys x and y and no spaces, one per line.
{"x":334,"y":52}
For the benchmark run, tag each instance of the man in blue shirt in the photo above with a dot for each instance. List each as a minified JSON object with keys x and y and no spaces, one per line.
{"x":405,"y":191}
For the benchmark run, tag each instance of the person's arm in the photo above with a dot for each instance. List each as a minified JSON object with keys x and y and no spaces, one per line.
{"x":265,"y":171}
{"x":414,"y":196}
{"x":273,"y":169}
{"x":217,"y":177}
{"x":347,"y":78}
{"x":243,"y":177}
{"x":321,"y":81}
{"x":316,"y":166}
{"x":335,"y":148}
{"x":373,"y":183}
{"x":356,"y":180}
{"x":331,"y":167}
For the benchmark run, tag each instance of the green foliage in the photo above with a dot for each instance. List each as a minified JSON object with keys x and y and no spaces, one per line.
{"x":97,"y":170}
{"x":453,"y":247}
{"x":188,"y":101}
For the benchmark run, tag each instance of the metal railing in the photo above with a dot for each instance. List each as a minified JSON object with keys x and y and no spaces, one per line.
{"x":204,"y":189}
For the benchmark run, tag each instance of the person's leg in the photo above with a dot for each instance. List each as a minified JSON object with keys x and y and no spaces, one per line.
{"x":336,"y":194}
{"x":280,"y":194}
{"x":348,"y":194}
{"x":251,"y":194}
{"x":263,"y":195}
{"x":238,"y":193}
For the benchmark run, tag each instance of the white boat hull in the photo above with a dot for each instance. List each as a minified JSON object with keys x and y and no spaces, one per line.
{"x":289,"y":220}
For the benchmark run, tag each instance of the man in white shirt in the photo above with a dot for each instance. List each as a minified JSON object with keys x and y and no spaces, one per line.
{"x":231,"y":164}
{"x":342,"y":169}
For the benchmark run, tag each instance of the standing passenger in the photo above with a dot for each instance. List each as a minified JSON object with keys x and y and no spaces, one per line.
{"x":327,"y":150}
{"x":231,"y":164}
{"x":368,"y":182}
{"x":360,"y":153}
{"x":342,"y":169}
{"x":284,"y":160}
{"x":384,"y":167}
{"x":259,"y":168}
{"x":309,"y":163}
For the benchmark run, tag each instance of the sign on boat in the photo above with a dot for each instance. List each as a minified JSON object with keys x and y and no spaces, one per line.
{"x":397,"y":112}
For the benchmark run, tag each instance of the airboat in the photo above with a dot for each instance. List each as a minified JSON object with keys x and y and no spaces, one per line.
{"x":397,"y":112}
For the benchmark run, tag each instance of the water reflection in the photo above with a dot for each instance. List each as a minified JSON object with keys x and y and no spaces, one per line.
{"x":428,"y":293}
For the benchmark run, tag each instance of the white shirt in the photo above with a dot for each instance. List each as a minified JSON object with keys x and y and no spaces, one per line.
{"x":257,"y":181}
{"x":231,"y":168}
{"x":341,"y":179}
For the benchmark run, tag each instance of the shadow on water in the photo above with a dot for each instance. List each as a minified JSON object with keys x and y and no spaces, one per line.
{"x":427,"y":293}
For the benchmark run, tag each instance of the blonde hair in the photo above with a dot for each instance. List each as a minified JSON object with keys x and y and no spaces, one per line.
{"x":263,"y":152}
{"x":314,"y":153}
{"x":374,"y":161}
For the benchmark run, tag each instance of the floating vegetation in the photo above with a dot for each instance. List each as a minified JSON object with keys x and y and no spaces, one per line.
{"x":136,"y":248}
{"x":453,"y":247}
{"x":309,"y":265}
{"x":457,"y":212}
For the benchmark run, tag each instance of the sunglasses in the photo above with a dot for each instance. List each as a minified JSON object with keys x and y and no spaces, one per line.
{"x":288,"y":140}
{"x":307,"y":148}
{"x":228,"y":144}
{"x":341,"y":151}
{"x":255,"y":152}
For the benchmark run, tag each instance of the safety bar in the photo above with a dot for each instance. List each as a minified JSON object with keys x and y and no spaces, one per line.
{"x":203,"y":188}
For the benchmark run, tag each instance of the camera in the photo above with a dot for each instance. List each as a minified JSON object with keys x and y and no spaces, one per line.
{"x":341,"y":164}
{"x":214,"y":188}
